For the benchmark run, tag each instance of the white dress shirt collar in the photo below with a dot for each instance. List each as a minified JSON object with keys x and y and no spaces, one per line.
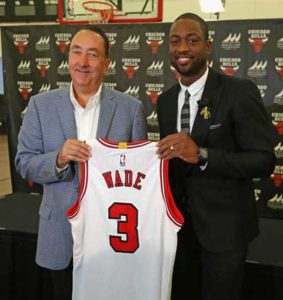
{"x":94,"y":99}
{"x":195,"y":87}
{"x":87,"y":117}
{"x":195,"y":90}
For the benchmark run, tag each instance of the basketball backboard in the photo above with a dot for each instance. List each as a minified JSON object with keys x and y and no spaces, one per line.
{"x":124,"y":11}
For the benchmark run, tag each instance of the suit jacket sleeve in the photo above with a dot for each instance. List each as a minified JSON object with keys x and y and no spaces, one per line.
{"x":239,"y":135}
{"x":139,"y":131}
{"x":244,"y":145}
{"x":39,"y":143}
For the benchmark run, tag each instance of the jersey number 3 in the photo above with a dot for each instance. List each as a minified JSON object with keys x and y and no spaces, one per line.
{"x":126,"y":215}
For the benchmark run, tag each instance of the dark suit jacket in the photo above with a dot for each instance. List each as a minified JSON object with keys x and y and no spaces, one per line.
{"x":240,"y":143}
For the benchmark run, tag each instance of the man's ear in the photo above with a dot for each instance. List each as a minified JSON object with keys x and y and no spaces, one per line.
{"x":106,"y":65}
{"x":208,"y":47}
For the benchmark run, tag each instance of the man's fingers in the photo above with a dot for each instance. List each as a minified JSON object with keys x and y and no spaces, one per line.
{"x":74,"y":150}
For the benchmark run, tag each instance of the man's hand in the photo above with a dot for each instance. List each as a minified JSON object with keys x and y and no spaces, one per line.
{"x":73,"y":150}
{"x":178,"y":145}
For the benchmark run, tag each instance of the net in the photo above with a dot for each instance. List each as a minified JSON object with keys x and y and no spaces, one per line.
{"x":101,"y":12}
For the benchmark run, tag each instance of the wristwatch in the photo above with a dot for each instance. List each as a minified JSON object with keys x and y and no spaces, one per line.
{"x":202,"y":155}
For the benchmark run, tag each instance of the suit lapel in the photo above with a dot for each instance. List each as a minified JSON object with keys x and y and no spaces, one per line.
{"x":171,"y":109}
{"x":66,"y":114}
{"x":107,"y":109}
{"x":207,"y":108}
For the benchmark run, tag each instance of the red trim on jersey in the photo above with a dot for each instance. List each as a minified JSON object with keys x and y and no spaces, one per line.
{"x":172,"y":211}
{"x":110,"y":144}
{"x":74,"y":209}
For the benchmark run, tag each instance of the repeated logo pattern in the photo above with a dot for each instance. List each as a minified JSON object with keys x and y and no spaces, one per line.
{"x":36,"y":61}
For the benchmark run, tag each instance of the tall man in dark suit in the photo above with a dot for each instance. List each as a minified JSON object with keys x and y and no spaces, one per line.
{"x":215,"y":149}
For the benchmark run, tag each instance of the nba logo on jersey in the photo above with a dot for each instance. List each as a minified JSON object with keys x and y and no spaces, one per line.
{"x":122,"y":160}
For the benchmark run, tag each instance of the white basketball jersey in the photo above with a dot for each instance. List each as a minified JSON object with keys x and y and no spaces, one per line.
{"x":124,"y":224}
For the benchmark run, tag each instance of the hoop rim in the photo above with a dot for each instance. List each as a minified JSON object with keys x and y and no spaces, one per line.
{"x":65,"y":19}
{"x":110,"y":7}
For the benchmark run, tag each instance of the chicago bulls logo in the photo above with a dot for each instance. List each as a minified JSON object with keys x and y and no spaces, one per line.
{"x":257,"y":44}
{"x":153,"y":90}
{"x":277,"y":179}
{"x":130,"y":70}
{"x":130,"y":66}
{"x":279,"y":127}
{"x":42,"y":69}
{"x":25,"y":92}
{"x":62,"y":41}
{"x":62,"y":45}
{"x":229,"y":70}
{"x":21,"y":46}
{"x":153,"y":96}
{"x":25,"y":89}
{"x":280,"y":71}
{"x":154,"y":45}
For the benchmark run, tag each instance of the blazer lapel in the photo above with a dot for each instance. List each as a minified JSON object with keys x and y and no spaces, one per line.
{"x":207,"y":108}
{"x":107,"y":109}
{"x":171,"y":110}
{"x":66,"y":114}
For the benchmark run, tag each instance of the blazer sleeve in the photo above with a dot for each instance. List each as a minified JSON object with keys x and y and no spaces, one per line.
{"x":139,"y":131}
{"x":252,"y":154}
{"x":33,"y":160}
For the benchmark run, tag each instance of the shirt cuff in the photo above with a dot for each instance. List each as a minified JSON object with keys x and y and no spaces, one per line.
{"x":60,"y":170}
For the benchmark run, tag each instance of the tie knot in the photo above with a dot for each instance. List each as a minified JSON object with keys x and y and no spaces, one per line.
{"x":187,"y":96}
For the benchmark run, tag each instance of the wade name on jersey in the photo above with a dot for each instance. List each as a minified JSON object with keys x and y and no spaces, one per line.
{"x":127,"y":178}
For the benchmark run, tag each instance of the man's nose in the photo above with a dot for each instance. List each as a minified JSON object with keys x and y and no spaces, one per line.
{"x":84,"y":60}
{"x":184,"y":46}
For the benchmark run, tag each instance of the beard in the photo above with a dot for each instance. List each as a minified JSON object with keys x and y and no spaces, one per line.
{"x":194,"y":69}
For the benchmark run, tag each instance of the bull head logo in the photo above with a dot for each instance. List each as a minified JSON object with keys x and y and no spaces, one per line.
{"x":153,"y":96}
{"x":279,"y":127}
{"x":21,"y":46}
{"x":42,"y":69}
{"x":25,"y":92}
{"x":62,"y":45}
{"x":130,"y":70}
{"x":277,"y":179}
{"x":280,"y":71}
{"x":258,"y":44}
{"x":154,"y":46}
{"x":229,"y":70}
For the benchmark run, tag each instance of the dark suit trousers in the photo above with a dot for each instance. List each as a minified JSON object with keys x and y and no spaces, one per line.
{"x":203,"y":275}
{"x":60,"y":283}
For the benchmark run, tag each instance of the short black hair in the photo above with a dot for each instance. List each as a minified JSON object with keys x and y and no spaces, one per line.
{"x":196,"y":18}
{"x":100,"y":32}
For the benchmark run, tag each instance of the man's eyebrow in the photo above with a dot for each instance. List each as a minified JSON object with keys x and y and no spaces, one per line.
{"x":191,"y":34}
{"x":75,"y":46}
{"x":92,"y":49}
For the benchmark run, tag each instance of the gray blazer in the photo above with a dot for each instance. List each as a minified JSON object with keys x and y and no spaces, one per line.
{"x":48,"y":123}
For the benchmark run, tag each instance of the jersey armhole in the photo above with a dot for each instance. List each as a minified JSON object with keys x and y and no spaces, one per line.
{"x":172,"y":210}
{"x":74,"y":209}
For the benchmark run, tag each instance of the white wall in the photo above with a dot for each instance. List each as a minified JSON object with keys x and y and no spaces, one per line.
{"x":234,"y":9}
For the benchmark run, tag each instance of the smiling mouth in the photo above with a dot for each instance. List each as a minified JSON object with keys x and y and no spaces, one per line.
{"x":82,"y":71}
{"x":184,"y":60}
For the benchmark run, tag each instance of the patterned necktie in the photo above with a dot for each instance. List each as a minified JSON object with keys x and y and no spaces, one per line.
{"x":185,"y":114}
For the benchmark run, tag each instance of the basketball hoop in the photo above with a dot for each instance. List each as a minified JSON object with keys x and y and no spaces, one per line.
{"x":101,"y":12}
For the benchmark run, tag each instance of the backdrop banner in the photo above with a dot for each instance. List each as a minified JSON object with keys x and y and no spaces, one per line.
{"x":35,"y":60}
